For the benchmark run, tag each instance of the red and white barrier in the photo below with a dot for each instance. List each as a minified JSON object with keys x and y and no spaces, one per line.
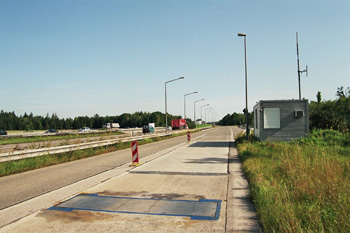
{"x":188,"y":136}
{"x":135,"y":154}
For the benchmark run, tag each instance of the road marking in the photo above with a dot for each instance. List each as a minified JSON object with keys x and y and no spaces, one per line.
{"x":232,"y":138}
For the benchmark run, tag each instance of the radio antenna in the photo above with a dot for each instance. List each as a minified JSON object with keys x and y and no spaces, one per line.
{"x":300,"y":71}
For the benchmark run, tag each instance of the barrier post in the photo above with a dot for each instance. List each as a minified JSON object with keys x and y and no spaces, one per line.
{"x":188,"y":136}
{"x":135,"y":154}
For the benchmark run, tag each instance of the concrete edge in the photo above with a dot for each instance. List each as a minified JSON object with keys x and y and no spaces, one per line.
{"x":241,"y":214}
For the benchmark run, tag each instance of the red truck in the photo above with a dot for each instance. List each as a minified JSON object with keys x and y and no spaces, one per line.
{"x":178,"y":124}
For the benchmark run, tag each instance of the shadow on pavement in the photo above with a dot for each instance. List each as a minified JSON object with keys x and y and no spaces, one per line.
{"x":210,"y":144}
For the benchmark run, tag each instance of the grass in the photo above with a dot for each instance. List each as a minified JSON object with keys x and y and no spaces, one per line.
{"x":17,"y":166}
{"x":16,"y":140}
{"x":303,"y":185}
{"x":198,"y":126}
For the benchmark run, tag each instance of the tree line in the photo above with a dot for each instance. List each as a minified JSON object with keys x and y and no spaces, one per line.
{"x":10,"y":121}
{"x":236,"y":119}
{"x":331,"y":114}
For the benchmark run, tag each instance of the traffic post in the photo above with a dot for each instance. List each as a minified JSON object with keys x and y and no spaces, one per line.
{"x":135,"y":154}
{"x":188,"y":136}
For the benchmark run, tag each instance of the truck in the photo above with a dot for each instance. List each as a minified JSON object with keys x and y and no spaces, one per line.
{"x":178,"y":124}
{"x":110,"y":125}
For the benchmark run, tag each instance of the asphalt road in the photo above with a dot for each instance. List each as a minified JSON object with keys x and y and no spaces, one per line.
{"x":24,"y":186}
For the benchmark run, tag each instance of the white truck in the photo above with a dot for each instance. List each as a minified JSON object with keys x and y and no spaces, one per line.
{"x":110,"y":125}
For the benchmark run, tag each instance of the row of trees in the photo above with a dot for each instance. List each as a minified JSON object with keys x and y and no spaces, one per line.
{"x":236,"y":119}
{"x":10,"y":121}
{"x":331,"y":114}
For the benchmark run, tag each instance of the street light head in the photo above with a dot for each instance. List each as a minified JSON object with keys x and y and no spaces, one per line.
{"x":241,"y":34}
{"x":181,"y":77}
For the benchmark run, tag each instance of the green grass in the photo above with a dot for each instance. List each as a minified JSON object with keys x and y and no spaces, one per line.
{"x":303,"y":185}
{"x":198,"y":126}
{"x":17,"y":166}
{"x":16,"y":140}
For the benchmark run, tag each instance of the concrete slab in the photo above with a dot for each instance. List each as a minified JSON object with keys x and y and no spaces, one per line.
{"x":201,"y":210}
{"x":207,"y":157}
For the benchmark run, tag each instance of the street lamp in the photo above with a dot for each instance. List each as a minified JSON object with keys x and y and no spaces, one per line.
{"x":185,"y":102}
{"x":202,"y":111}
{"x":210,"y":111}
{"x":205,"y":114}
{"x":246,"y":83}
{"x":166,"y":111}
{"x":194,"y":110}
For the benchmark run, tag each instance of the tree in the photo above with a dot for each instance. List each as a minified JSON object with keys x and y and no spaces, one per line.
{"x":318,"y":96}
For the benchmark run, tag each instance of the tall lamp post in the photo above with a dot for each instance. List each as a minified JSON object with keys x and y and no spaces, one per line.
{"x":210,"y":111}
{"x":246,"y":83}
{"x":194,"y":110}
{"x":202,"y":111}
{"x":185,"y":102}
{"x":166,"y":110}
{"x":205,"y":114}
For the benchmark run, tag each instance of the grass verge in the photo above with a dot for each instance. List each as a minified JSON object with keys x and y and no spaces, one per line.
{"x":17,"y":166}
{"x":303,"y":185}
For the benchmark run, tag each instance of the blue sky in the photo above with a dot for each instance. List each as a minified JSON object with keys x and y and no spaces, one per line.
{"x":77,"y":58}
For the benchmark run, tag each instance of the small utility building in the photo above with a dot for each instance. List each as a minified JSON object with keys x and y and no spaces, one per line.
{"x":281,"y":120}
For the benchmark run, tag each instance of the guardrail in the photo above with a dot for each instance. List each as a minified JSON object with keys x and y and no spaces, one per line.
{"x":16,"y":155}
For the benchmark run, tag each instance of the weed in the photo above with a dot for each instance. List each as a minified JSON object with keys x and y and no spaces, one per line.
{"x":303,"y":185}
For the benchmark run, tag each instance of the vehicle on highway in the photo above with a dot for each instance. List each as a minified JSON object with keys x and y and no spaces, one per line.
{"x":3,"y":132}
{"x":51,"y":131}
{"x":84,"y":129}
{"x":147,"y":129}
{"x":178,"y":124}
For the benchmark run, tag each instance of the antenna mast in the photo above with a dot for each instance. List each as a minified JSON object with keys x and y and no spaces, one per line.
{"x":299,"y":71}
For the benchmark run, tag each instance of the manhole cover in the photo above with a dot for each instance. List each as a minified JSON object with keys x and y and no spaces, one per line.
{"x":204,"y":209}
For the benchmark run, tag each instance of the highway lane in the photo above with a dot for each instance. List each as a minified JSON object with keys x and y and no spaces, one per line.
{"x":61,"y":142}
{"x":20,"y":187}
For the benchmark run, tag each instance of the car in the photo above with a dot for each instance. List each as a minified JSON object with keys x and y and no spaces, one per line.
{"x":3,"y":132}
{"x":84,"y":129}
{"x":51,"y":131}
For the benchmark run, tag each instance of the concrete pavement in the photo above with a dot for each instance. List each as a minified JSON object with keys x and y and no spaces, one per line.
{"x":165,"y":194}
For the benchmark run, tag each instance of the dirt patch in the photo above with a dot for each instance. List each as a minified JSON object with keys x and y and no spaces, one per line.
{"x":173,"y":196}
{"x":158,"y":196}
{"x":120,"y":194}
{"x":74,"y":216}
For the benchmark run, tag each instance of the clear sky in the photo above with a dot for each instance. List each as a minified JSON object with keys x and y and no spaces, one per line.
{"x":82,"y":57}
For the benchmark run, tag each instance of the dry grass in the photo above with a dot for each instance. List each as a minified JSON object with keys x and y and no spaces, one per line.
{"x":301,"y":186}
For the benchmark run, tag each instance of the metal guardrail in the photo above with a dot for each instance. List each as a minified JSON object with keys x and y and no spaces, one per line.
{"x":16,"y":155}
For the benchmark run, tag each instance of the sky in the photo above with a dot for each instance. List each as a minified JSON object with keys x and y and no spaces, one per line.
{"x":87,"y":57}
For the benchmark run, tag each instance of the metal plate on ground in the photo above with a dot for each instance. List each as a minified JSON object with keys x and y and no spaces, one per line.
{"x":204,"y":209}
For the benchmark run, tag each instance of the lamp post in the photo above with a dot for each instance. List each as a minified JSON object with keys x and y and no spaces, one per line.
{"x":202,"y":111}
{"x":205,"y":114}
{"x":210,"y":111}
{"x":185,"y":102}
{"x":246,"y":83}
{"x":166,"y":110}
{"x":194,"y":110}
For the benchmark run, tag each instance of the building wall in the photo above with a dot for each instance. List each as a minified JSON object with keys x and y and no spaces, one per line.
{"x":290,"y":126}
